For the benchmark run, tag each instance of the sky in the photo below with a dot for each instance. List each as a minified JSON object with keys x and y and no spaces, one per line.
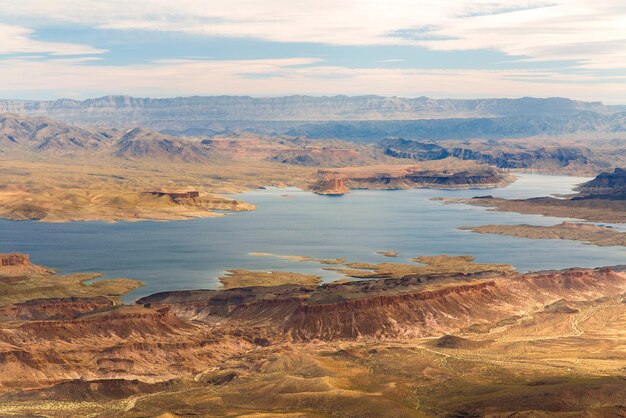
{"x":78,"y":49}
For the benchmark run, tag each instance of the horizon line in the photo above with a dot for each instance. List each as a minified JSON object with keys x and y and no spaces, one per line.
{"x":408,"y":97}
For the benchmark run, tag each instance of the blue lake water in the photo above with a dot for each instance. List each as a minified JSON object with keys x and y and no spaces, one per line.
{"x":193,"y":254}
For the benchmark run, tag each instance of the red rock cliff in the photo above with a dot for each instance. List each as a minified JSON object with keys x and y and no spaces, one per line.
{"x":19,"y":264}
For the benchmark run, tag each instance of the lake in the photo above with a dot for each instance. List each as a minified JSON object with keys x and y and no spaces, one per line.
{"x":193,"y":254}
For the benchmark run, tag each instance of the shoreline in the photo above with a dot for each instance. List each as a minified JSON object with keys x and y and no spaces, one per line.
{"x":548,"y":207}
{"x":183,"y":214}
{"x":587,"y":233}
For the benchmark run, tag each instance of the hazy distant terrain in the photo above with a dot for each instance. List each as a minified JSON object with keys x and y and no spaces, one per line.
{"x":522,"y":126}
{"x":370,"y":117}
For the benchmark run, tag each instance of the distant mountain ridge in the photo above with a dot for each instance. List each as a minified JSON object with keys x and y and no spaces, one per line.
{"x":328,"y":116}
{"x":22,"y":135}
{"x":522,"y":126}
{"x":301,"y":108}
{"x":42,"y":137}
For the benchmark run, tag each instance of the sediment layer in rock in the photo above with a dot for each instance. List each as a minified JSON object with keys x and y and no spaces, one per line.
{"x":445,"y":174}
{"x":495,"y":338}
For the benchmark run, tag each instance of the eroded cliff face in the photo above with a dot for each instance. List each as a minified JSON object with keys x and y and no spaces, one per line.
{"x":332,"y":347}
{"x":19,"y":264}
{"x":606,"y":182}
{"x":610,"y":186}
{"x":538,"y":158}
{"x":330,"y":184}
{"x":126,"y":342}
{"x":410,"y":307}
{"x":449,"y":174}
{"x":173,"y":334}
{"x":54,"y":308}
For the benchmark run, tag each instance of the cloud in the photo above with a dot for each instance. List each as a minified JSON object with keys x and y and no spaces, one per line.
{"x":18,"y":40}
{"x":532,"y":29}
{"x":590,"y":35}
{"x":583,"y":40}
{"x":60,"y":78}
{"x":489,"y":9}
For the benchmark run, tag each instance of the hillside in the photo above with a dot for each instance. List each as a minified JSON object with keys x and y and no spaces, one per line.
{"x":585,"y":157}
{"x":22,"y":135}
{"x":505,"y":344}
{"x":610,"y":186}
{"x":44,"y":134}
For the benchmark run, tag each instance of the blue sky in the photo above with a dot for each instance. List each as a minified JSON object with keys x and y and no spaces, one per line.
{"x":157,"y":48}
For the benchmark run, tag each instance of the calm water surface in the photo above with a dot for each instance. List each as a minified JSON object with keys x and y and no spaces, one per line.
{"x":192,"y":254}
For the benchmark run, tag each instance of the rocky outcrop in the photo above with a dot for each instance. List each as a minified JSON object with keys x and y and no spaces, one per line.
{"x":610,"y":186}
{"x":407,"y":314}
{"x":414,"y":150}
{"x":606,"y":181}
{"x":12,"y":260}
{"x":191,"y":199}
{"x":330,"y":184}
{"x":340,"y":181}
{"x":54,"y":308}
{"x":132,"y":342}
{"x":216,"y":202}
{"x":208,"y":304}
{"x":413,"y":306}
{"x":542,"y":157}
{"x":527,"y":158}
{"x":176,"y":195}
{"x":19,"y":265}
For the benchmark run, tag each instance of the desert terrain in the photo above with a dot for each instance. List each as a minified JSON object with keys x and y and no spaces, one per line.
{"x":443,"y":337}
{"x":55,"y":172}
{"x":304,"y":209}
{"x":434,"y":335}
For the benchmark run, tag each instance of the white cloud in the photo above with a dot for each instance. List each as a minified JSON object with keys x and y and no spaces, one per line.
{"x":539,"y":30}
{"x":591,"y":34}
{"x":60,"y":78}
{"x":17,"y":39}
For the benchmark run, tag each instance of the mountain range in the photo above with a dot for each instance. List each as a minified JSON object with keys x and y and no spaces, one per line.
{"x":26,"y":137}
{"x":21,"y":135}
{"x":360,"y":118}
{"x":466,"y":128}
